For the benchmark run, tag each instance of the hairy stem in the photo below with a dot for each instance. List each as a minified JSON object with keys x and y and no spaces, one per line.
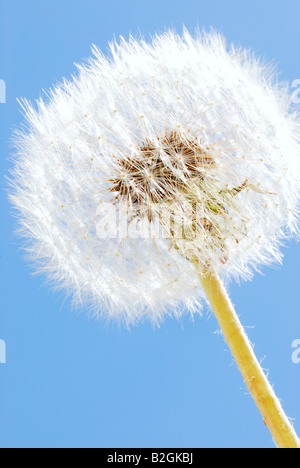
{"x":274,"y":417}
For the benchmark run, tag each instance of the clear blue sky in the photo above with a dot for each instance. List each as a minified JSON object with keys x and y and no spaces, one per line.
{"x":70,"y":381}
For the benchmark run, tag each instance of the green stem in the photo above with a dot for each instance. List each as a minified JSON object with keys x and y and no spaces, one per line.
{"x":273,"y":415}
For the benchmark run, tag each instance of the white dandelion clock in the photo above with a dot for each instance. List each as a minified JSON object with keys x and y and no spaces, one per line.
{"x":155,"y":172}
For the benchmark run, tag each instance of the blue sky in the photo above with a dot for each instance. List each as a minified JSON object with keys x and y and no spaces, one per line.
{"x":72,"y":382}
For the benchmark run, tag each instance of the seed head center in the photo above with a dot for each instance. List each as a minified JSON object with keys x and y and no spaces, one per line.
{"x":160,"y":170}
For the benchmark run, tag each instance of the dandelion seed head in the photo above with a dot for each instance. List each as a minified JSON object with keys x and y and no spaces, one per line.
{"x":165,"y":153}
